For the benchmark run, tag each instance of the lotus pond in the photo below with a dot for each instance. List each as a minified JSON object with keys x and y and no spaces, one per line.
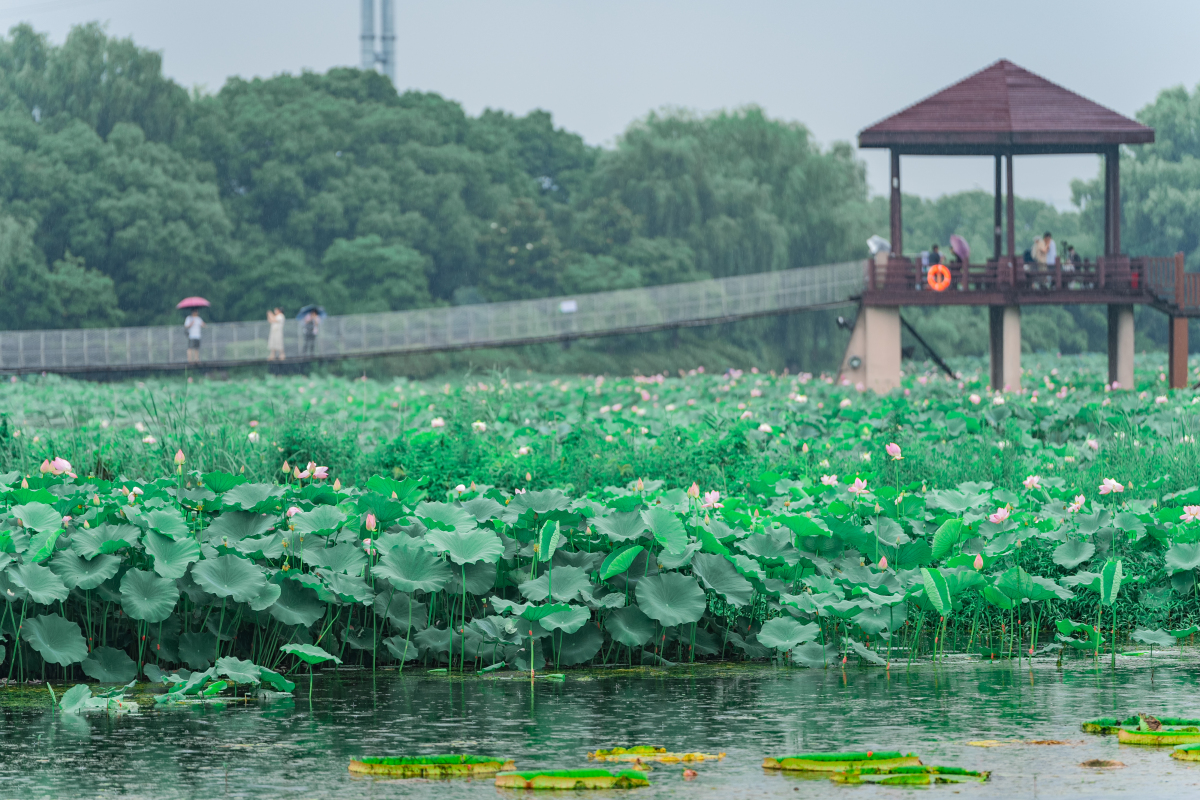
{"x":287,"y":748}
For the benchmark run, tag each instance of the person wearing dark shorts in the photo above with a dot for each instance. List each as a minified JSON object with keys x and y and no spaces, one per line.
{"x":194,"y":325}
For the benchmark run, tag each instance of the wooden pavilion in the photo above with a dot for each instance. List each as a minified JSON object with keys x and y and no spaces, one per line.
{"x":1005,"y":111}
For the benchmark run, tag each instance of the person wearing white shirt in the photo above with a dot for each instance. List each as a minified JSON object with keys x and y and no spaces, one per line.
{"x":194,"y":325}
{"x":1051,"y":250}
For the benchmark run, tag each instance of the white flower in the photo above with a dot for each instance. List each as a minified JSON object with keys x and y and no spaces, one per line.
{"x":1160,"y":400}
{"x":845,"y":403}
{"x":997,"y":400}
{"x":523,"y":450}
{"x":764,"y":428}
{"x":437,"y":422}
{"x":253,"y":437}
{"x":139,"y":427}
{"x":148,"y":440}
{"x":478,"y":427}
{"x":866,"y":456}
{"x":829,"y":480}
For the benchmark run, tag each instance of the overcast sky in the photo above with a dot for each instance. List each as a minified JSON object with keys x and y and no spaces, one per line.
{"x":837,"y":66}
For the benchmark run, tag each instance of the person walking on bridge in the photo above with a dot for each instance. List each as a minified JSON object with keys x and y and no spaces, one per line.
{"x":194,"y":325}
{"x":312,"y":326}
{"x":275,"y":335}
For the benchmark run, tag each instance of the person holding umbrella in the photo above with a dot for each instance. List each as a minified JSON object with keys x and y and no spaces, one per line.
{"x":310,"y":323}
{"x":193,"y":325}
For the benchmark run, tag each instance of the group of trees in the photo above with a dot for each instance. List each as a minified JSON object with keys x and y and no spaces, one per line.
{"x":120,"y":192}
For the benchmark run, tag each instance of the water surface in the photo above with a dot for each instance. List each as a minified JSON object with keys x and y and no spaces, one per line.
{"x":291,"y":750}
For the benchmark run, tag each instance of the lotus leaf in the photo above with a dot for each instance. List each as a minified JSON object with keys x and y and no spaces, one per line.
{"x":1158,"y":638}
{"x":1183,"y":556}
{"x":410,"y":568}
{"x":196,"y":648}
{"x":620,"y":526}
{"x":309,"y":653}
{"x":570,"y":583}
{"x":56,"y":640}
{"x":946,"y":536}
{"x":104,"y":539}
{"x":567,"y":620}
{"x":1110,"y":581}
{"x":481,"y":577}
{"x":814,"y":655}
{"x":42,"y":585}
{"x":79,"y":573}
{"x":345,"y":557}
{"x":248,"y":496}
{"x":667,"y":529}
{"x":296,"y":604}
{"x":937,"y":590}
{"x":867,"y":654}
{"x":238,"y":671}
{"x":41,"y":546}
{"x":483,"y":508}
{"x":467,"y":548}
{"x":147,"y":596}
{"x":229,"y":576}
{"x":718,"y":574}
{"x":168,"y":522}
{"x":233,"y":526}
{"x":549,"y":540}
{"x":619,"y":560}
{"x":38,"y":517}
{"x":671,"y":598}
{"x":171,"y":556}
{"x":401,"y":648}
{"x":784,"y":633}
{"x":629,"y":626}
{"x":109,"y":665}
{"x":222,"y":481}
{"x":349,"y":589}
{"x":1069,"y":555}
{"x":578,"y":647}
{"x":266,"y":598}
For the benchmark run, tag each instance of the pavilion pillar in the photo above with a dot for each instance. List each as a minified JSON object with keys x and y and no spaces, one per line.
{"x":1012,"y":224}
{"x":996,"y":251}
{"x":897,"y":232}
{"x":1112,"y":202}
{"x":1004,"y":347}
{"x":1120,"y":345}
{"x":872,"y":357}
{"x":1177,"y":352}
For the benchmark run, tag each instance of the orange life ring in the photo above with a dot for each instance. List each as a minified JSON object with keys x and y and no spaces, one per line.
{"x":939,"y":277}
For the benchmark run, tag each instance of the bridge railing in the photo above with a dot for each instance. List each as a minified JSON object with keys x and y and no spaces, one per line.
{"x":443,"y":328}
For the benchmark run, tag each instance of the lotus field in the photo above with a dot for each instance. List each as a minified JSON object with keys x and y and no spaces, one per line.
{"x":228,"y":533}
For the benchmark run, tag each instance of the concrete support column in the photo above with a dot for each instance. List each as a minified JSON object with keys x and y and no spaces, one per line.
{"x":873,"y":354}
{"x":1177,"y":352}
{"x":1120,"y":345}
{"x":1004,"y":347}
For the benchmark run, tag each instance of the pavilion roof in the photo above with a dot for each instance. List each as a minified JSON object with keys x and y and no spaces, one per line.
{"x":1001,"y":109}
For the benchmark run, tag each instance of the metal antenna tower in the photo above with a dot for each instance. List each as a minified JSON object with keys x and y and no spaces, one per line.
{"x":385,"y":58}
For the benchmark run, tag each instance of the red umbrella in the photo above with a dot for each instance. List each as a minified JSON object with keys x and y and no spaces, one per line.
{"x":193,"y":302}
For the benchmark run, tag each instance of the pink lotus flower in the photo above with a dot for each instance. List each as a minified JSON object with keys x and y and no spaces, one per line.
{"x":60,"y":465}
{"x":45,"y":467}
{"x":321,"y":473}
{"x":893,"y":450}
{"x":764,"y":428}
{"x":518,"y":491}
{"x":66,"y":521}
{"x":367,"y":548}
{"x":1109,"y":486}
{"x":253,"y":423}
{"x":829,"y":480}
{"x":1190,"y":513}
{"x":694,"y":491}
{"x":298,"y":475}
{"x":979,"y":561}
{"x":975,"y":399}
{"x":293,"y":511}
{"x":1092,"y":443}
{"x":883,"y":563}
{"x":858,"y":488}
{"x":371,"y":522}
{"x":711,"y":499}
{"x":1078,"y":504}
{"x":1032,"y":482}
{"x":179,"y":458}
{"x":1000,"y":515}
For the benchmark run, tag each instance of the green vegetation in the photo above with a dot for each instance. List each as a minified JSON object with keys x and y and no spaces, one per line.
{"x":493,"y":524}
{"x":125,"y":193}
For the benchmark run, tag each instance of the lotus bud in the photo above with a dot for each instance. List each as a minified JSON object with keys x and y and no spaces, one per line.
{"x":179,"y":459}
{"x":296,"y":473}
{"x":883,"y":563}
{"x":694,"y":490}
{"x":45,"y":466}
{"x":641,"y":487}
{"x":528,"y":476}
{"x":337,"y":485}
{"x":24,"y":483}
{"x":293,"y":511}
{"x":286,"y":469}
{"x":66,"y":521}
{"x":979,"y":561}
{"x":804,"y":447}
{"x":371,"y":522}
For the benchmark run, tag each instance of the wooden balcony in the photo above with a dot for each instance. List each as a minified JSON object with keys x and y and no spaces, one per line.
{"x":1161,"y":281}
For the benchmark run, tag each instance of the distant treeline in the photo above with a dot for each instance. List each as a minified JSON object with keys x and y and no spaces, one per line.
{"x":121,"y":193}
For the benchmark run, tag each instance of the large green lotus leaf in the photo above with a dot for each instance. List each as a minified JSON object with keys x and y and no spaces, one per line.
{"x":349,"y":589}
{"x":888,"y":532}
{"x":865,"y":653}
{"x":168,"y":522}
{"x":261,"y":547}
{"x":813,"y":655}
{"x":56,"y":640}
{"x":784,"y":633}
{"x":747,"y":566}
{"x":296,"y":605}
{"x":219,"y":482}
{"x":104,"y":539}
{"x":41,"y":546}
{"x":310,"y":580}
{"x":937,"y":590}
{"x":1085,"y":579}
{"x":322,"y":520}
{"x":962,"y":579}
{"x":769,"y":549}
{"x":1110,"y":581}
{"x":276,"y":681}
{"x":345,"y":557}
{"x":718,"y":574}
{"x":171,"y":556}
{"x":946,"y":537}
{"x":567,"y":620}
{"x":411,"y":567}
{"x":109,"y":665}
{"x":469,"y":547}
{"x":42,"y":585}
{"x":620,"y":526}
{"x":578,"y":647}
{"x":570,"y":583}
{"x":248,"y":496}
{"x":525,"y":506}
{"x":480,"y":578}
{"x":309,"y":653}
{"x":1019,"y":585}
{"x":196,"y":648}
{"x":667,"y":529}
{"x":267,"y":597}
{"x":233,"y":526}
{"x":75,"y":699}
{"x":444,"y":516}
{"x":619,"y":560}
{"x":403,"y":612}
{"x":874,"y":621}
{"x":38,"y":517}
{"x":147,"y":596}
{"x":671,"y":599}
{"x":681,"y":559}
{"x":997,"y":598}
{"x":1157,"y":638}
{"x":549,"y":540}
{"x":1070,"y":555}
{"x":79,"y":573}
{"x":407,"y":491}
{"x":434,"y":640}
{"x":238,"y":671}
{"x":483,"y":508}
{"x":229,"y":576}
{"x":385,"y":510}
{"x":402,"y":649}
{"x":629,"y":626}
{"x":1182,"y":556}
{"x":535,"y":613}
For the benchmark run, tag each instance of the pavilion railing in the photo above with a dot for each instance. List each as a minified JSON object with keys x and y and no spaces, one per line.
{"x":445,"y":328}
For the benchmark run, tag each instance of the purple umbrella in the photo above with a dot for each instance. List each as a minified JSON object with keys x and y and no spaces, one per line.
{"x":960,"y":247}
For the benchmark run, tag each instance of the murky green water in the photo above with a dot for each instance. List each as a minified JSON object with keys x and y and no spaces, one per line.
{"x":287,"y":750}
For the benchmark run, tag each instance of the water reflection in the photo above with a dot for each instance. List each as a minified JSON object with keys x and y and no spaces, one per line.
{"x":288,"y":749}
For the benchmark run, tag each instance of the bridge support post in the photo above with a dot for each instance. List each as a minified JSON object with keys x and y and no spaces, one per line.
{"x":873,"y":353}
{"x":1004,"y":347}
{"x":1120,"y":345}
{"x":1177,"y":352}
